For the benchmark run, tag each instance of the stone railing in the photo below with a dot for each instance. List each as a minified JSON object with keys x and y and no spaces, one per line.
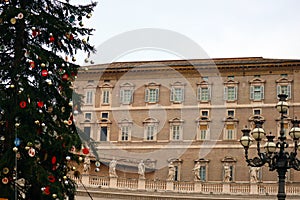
{"x":186,"y":187}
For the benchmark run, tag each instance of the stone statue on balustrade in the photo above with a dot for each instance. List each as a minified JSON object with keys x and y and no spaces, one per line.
{"x":112,"y":168}
{"x":227,"y":173}
{"x":196,"y":171}
{"x":171,"y":173}
{"x":254,"y":174}
{"x":86,"y":165}
{"x":141,"y":170}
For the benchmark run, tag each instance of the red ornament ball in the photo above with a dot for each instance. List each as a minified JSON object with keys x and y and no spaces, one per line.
{"x":47,"y":190}
{"x":85,"y":151}
{"x":51,"y":39}
{"x":51,"y":178}
{"x":23,"y":104}
{"x":44,"y":72}
{"x":32,"y":64}
{"x":53,"y":161}
{"x":65,"y":77}
{"x":40,"y":104}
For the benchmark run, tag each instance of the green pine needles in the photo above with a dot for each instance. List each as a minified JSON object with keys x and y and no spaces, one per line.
{"x":38,"y":140}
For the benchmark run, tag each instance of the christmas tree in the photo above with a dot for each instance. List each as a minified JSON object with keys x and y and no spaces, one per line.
{"x":38,"y":140}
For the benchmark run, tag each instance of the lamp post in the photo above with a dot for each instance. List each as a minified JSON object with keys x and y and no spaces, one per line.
{"x":274,"y":154}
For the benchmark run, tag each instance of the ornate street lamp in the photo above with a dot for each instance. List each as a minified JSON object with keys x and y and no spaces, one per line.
{"x":274,"y":154}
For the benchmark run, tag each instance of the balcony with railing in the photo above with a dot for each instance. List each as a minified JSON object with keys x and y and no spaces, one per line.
{"x":240,"y":188}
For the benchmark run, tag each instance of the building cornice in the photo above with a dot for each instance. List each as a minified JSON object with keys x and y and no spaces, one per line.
{"x":247,"y":63}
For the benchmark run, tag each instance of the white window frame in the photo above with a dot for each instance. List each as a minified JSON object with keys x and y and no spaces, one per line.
{"x":230,"y":90}
{"x":106,"y":96}
{"x":126,"y":93}
{"x":201,"y":173}
{"x":150,"y":132}
{"x":204,"y":93}
{"x":177,"y":94}
{"x":229,"y":115}
{"x":255,"y":109}
{"x":152,"y":93}
{"x":287,"y":90}
{"x":102,"y":113}
{"x":176,"y":129}
{"x":125,"y":127}
{"x":176,"y":132}
{"x":203,"y":132}
{"x":89,"y":97}
{"x":230,"y":93}
{"x":124,"y":133}
{"x":257,"y":92}
{"x":230,"y":132}
{"x":88,"y":116}
{"x":126,"y":96}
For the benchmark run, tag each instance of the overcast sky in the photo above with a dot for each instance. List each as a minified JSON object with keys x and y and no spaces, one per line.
{"x":222,"y":28}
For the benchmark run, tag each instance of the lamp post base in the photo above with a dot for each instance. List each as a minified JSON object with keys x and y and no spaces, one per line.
{"x":281,"y":183}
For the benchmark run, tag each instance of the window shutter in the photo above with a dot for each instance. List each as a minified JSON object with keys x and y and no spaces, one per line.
{"x":209,"y":93}
{"x":172,"y":94}
{"x":225,"y":93}
{"x":262,"y":92}
{"x":121,"y":96}
{"x":199,"y":94}
{"x":235,"y":92}
{"x":278,"y":90}
{"x":131,"y":96}
{"x":146,"y":95}
{"x":157,"y":94}
{"x":182,"y":94}
{"x":251,"y":92}
{"x":289,"y":91}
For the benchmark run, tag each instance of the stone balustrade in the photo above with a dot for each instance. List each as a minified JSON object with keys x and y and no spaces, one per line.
{"x":93,"y":181}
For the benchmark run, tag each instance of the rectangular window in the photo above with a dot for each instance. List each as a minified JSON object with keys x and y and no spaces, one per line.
{"x":176,"y":176}
{"x":202,"y":173}
{"x":152,"y":95}
{"x":176,"y":132}
{"x":231,"y":173}
{"x":150,"y":132}
{"x":257,"y":92}
{"x":230,"y":113}
{"x":256,"y":112}
{"x":103,"y":133}
{"x":126,"y":96}
{"x":204,"y":94}
{"x":89,"y":97}
{"x":88,"y":116}
{"x":177,"y":94}
{"x":204,"y":113}
{"x":203,"y":131}
{"x":231,"y":93}
{"x":105,"y":96}
{"x":87,"y":131}
{"x":104,"y":115}
{"x":124,"y":133}
{"x":230,"y":131}
{"x":284,"y":89}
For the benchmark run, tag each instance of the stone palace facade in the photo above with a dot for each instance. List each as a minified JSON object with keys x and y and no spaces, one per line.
{"x":182,"y":119}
